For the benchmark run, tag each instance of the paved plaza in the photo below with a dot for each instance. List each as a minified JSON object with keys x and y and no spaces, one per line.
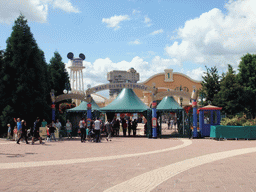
{"x":129,"y":164}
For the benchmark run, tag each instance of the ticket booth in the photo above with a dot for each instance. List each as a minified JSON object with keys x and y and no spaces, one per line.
{"x":208,"y":115}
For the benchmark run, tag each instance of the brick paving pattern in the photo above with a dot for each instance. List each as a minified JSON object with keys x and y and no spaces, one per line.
{"x":105,"y":172}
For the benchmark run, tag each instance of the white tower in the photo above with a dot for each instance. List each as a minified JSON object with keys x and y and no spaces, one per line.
{"x":76,"y":73}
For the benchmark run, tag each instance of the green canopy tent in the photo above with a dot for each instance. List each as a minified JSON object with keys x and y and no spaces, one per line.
{"x":83,"y":107}
{"x":168,"y":104}
{"x":77,"y":113}
{"x":127,"y":102}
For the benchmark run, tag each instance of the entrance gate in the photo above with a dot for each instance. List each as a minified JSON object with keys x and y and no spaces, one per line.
{"x":87,"y":97}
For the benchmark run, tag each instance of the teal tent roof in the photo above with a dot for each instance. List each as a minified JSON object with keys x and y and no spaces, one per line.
{"x":83,"y":107}
{"x":168,"y":104}
{"x":126,"y":102}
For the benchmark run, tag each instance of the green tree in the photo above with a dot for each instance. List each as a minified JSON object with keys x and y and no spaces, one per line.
{"x":210,"y":84}
{"x":59,"y":79}
{"x":1,"y":77}
{"x":230,"y":96}
{"x":247,"y":79}
{"x":26,"y":87}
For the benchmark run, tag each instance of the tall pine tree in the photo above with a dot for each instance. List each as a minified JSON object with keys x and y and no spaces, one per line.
{"x":59,"y":79}
{"x":210,"y":85}
{"x":26,"y":85}
{"x":230,"y":96}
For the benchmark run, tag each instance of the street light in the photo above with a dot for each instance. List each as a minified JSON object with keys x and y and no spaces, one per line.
{"x":181,"y":100}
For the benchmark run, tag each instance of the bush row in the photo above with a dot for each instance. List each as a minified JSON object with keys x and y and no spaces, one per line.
{"x":238,"y":121}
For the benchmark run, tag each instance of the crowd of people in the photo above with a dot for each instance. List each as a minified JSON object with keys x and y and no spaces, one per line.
{"x":90,"y":131}
{"x":95,"y":128}
{"x":22,"y":131}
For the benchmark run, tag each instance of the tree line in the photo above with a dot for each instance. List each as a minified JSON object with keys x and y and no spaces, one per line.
{"x":235,"y":93}
{"x":26,"y":79}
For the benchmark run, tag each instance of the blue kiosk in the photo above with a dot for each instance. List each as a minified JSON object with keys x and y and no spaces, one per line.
{"x":208,"y":115}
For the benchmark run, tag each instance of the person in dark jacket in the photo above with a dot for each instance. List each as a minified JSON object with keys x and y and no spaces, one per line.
{"x":117,"y":127}
{"x":124,"y":125}
{"x":23,"y":132}
{"x":134,"y":126}
{"x":36,"y":131}
{"x":129,"y":122}
{"x":52,"y":129}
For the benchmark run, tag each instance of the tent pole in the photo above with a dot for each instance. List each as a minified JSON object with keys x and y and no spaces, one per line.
{"x":161,"y":124}
{"x":149,"y":124}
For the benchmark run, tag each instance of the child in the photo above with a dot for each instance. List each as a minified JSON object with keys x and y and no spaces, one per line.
{"x":48,"y":134}
{"x":15,"y":133}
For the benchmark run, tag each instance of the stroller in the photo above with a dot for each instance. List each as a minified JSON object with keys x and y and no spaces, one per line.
{"x":91,"y":136}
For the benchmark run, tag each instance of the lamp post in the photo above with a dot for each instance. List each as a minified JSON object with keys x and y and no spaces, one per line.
{"x":181,"y":100}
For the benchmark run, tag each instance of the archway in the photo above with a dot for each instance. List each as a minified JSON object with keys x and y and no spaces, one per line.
{"x":86,"y":96}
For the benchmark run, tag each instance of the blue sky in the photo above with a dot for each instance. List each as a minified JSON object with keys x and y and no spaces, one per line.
{"x":149,"y":35}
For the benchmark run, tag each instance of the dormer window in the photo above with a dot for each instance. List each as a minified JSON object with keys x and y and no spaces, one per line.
{"x":168,"y":75}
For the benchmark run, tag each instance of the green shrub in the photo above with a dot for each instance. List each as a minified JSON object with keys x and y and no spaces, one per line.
{"x":250,"y":122}
{"x":238,"y":121}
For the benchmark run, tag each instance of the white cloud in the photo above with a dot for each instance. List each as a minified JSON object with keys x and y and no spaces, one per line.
{"x":196,"y":74}
{"x":217,"y":38}
{"x":65,"y":5}
{"x":33,"y":10}
{"x":147,"y":21}
{"x":136,"y":42}
{"x":114,"y":21}
{"x":164,"y":63}
{"x":135,"y":11}
{"x":157,"y":32}
{"x":96,"y":73}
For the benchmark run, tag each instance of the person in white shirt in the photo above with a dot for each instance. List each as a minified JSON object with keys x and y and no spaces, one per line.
{"x":108,"y":129}
{"x":97,"y":124}
{"x":82,"y":126}
{"x":58,"y":124}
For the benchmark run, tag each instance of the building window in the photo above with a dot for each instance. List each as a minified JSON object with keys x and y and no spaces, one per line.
{"x":168,"y":75}
{"x":207,"y":117}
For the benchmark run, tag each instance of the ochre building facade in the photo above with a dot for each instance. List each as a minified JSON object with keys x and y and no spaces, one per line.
{"x":167,"y":81}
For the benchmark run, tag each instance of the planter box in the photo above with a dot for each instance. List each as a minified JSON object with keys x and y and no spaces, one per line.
{"x":233,"y":132}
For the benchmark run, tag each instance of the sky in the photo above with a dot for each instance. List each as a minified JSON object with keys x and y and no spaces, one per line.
{"x":148,"y":35}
